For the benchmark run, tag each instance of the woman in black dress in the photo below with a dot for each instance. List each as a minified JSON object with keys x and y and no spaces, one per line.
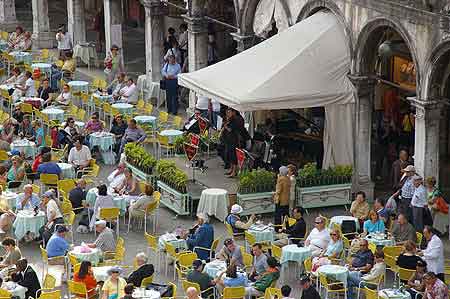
{"x":231,"y":140}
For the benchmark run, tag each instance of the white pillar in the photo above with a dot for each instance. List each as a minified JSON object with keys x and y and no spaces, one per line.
{"x":113,"y":24}
{"x":8,"y":20}
{"x":76,"y":22}
{"x":42,"y":37}
{"x":154,"y":38}
{"x":426,"y":145}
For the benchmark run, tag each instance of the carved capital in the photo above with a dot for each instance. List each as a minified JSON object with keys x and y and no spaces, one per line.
{"x":244,"y":42}
{"x":426,"y":108}
{"x":196,"y":25}
{"x":363,"y":84}
{"x":155,"y":8}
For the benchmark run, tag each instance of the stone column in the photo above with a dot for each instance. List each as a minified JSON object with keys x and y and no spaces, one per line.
{"x":42,"y":36}
{"x":76,"y":20}
{"x":113,"y":24}
{"x":244,"y":42}
{"x":8,"y":20}
{"x":154,"y":38}
{"x":426,"y":147}
{"x":197,"y":42}
{"x":362,"y":144}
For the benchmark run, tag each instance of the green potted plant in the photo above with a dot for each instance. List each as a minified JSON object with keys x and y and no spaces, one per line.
{"x":256,"y":181}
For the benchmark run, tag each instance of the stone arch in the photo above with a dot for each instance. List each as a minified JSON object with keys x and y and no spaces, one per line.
{"x":313,"y":6}
{"x":434,"y":67}
{"x":247,"y":16}
{"x":367,"y":45}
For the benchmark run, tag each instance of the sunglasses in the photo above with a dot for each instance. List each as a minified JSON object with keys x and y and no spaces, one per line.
{"x":318,"y":222}
{"x":333,"y":234}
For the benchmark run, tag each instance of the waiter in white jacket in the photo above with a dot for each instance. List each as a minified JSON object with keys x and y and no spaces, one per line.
{"x":434,"y":253}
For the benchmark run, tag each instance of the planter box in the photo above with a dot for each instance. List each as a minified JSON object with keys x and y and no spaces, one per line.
{"x":180,"y":203}
{"x":149,"y":178}
{"x":256,"y":203}
{"x":323,"y":196}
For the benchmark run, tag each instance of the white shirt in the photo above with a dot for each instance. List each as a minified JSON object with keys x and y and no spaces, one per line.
{"x":128,"y":91}
{"x":64,"y":98}
{"x":202,"y":102}
{"x":319,"y":239}
{"x":118,"y":87}
{"x":183,"y":40}
{"x":434,"y":255}
{"x":116,"y":181}
{"x":52,"y":207}
{"x":174,"y":52}
{"x":64,"y":41}
{"x":215,"y":105}
{"x":419,"y":198}
{"x":31,"y":90}
{"x":79,"y":157}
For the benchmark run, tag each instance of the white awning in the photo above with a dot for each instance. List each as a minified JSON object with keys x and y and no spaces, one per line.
{"x":303,"y":66}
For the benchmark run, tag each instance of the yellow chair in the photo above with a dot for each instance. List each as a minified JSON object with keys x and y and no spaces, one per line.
{"x":163,"y":118}
{"x":50,"y":295}
{"x":146,"y":281}
{"x":81,"y":114}
{"x":36,"y":189}
{"x":66,"y":185}
{"x":4,"y":294}
{"x":6,"y":98}
{"x":391,"y":263}
{"x":372,"y":247}
{"x":393,"y":251}
{"x":331,"y":287}
{"x":78,"y":288}
{"x":163,"y":143}
{"x":177,"y":122}
{"x":3,"y":155}
{"x":48,"y":140}
{"x":247,"y":258}
{"x":118,"y":258}
{"x":152,"y":244}
{"x":230,"y":231}
{"x":272,"y":293}
{"x":5,"y":35}
{"x":378,"y":284}
{"x":148,"y":109}
{"x":49,"y":180}
{"x":110,"y":214}
{"x":69,"y":220}
{"x":234,"y":293}
{"x":369,"y":293}
{"x":26,"y":108}
{"x":276,"y":252}
{"x":187,"y":284}
{"x":404,"y":274}
{"x":46,"y":260}
{"x":49,"y":282}
{"x":174,"y":291}
{"x":419,"y":237}
{"x":90,"y":173}
{"x":184,"y":263}
{"x":171,"y":255}
{"x":102,"y":84}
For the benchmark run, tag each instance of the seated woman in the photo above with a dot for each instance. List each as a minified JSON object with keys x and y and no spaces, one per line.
{"x":231,"y":278}
{"x":104,"y":200}
{"x":415,"y":282}
{"x":408,"y":258}
{"x":53,"y":213}
{"x":265,"y":280}
{"x":118,"y":128}
{"x":17,"y":172}
{"x":137,"y":207}
{"x":7,"y":216}
{"x":63,"y":99}
{"x":333,"y":251}
{"x":129,"y":185}
{"x":374,"y":224}
{"x":437,"y":205}
{"x":94,"y":124}
{"x":86,"y":276}
{"x":15,"y":38}
{"x":12,"y":255}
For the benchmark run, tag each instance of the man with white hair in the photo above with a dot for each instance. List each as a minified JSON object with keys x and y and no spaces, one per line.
{"x":192,"y":293}
{"x":144,"y":270}
{"x":105,"y":240}
{"x":201,"y":235}
{"x":27,"y":200}
{"x":234,"y":219}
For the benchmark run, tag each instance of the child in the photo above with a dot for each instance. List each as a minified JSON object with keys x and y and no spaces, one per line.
{"x":286,"y":291}
{"x":129,"y":288}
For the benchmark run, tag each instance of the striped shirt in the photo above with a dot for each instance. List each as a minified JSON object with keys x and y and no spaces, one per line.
{"x":408,"y":188}
{"x":105,"y":240}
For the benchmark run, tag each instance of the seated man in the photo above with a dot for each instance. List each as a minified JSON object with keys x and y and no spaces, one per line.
{"x":308,"y":290}
{"x":144,"y":269}
{"x":27,"y":200}
{"x":403,"y":231}
{"x":265,"y":280}
{"x":128,"y":93}
{"x":319,"y":237}
{"x":235,"y":221}
{"x":105,"y":239}
{"x":132,"y":134}
{"x":356,"y":275}
{"x":57,"y":244}
{"x":259,"y":262}
{"x":26,"y":277}
{"x":44,"y":91}
{"x":198,"y":276}
{"x":201,"y":235}
{"x":78,"y":195}
{"x":28,"y":89}
{"x":64,"y":98}
{"x":360,"y":207}
{"x":116,"y":85}
{"x":117,"y":177}
{"x":296,"y":231}
{"x":362,"y":260}
{"x":231,"y":252}
{"x":79,"y":155}
{"x":49,"y":167}
{"x":383,"y":213}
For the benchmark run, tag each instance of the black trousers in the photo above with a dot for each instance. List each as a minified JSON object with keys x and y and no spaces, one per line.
{"x":45,"y":233}
{"x":280,"y":212}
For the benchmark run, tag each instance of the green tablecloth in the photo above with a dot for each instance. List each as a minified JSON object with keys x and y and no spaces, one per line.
{"x":336,"y":272}
{"x":294,"y":253}
{"x":26,"y":221}
{"x":262,"y":233}
{"x":94,"y":256}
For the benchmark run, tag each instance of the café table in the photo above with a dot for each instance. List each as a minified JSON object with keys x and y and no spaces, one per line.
{"x":85,"y":52}
{"x":67,"y":170}
{"x":293,"y":253}
{"x":54,"y":114}
{"x":79,"y":86}
{"x":27,"y":221}
{"x":262,"y":232}
{"x":214,"y":201}
{"x":393,"y":294}
{"x":103,"y":97}
{"x":123,"y":108}
{"x":15,"y":289}
{"x":24,"y":146}
{"x":101,"y":273}
{"x":84,"y":253}
{"x":335,"y":272}
{"x":380,"y":239}
{"x":43,"y":67}
{"x":120,"y":202}
{"x":339,"y":219}
{"x":79,"y":124}
{"x":104,"y":140}
{"x":172,"y":239}
{"x":10,"y":198}
{"x":171,"y":134}
{"x":33,"y":101}
{"x":24,"y":57}
{"x":146,"y":119}
{"x":142,"y":293}
{"x":214,"y":268}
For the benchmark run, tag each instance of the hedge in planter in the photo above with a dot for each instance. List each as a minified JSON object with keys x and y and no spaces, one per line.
{"x":172,"y":176}
{"x":137,"y":156}
{"x":310,"y":176}
{"x":256,"y":181}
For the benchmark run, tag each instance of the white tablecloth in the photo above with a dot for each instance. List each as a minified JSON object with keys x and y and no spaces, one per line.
{"x":146,"y":119}
{"x":43,"y":67}
{"x":171,"y":134}
{"x":54,"y":114}
{"x":214,"y":201}
{"x":26,"y":221}
{"x":379,"y":240}
{"x":24,"y":57}
{"x":294,"y":253}
{"x":214,"y":268}
{"x":142,"y":293}
{"x":338,"y":220}
{"x":15,"y":289}
{"x":393,"y":294}
{"x":67,"y":169}
{"x":103,"y":140}
{"x":262,"y":232}
{"x":78,"y":86}
{"x":85,"y":53}
{"x":101,"y":273}
{"x":336,"y":272}
{"x":172,"y":239}
{"x":93,"y":256}
{"x":28,"y":148}
{"x":10,"y":198}
{"x":124,"y":108}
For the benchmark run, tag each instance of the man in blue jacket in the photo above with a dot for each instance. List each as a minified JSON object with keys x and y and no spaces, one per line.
{"x":202,"y":235}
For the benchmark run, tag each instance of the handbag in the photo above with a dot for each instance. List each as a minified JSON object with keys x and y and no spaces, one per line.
{"x":162,"y":82}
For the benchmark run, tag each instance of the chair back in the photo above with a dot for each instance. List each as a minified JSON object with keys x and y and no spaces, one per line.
{"x":72,"y":260}
{"x":234,"y":293}
{"x":106,"y":107}
{"x":81,"y":114}
{"x":372,"y":247}
{"x":148,"y":108}
{"x":247,"y":258}
{"x":5,"y":294}
{"x":140,"y":104}
{"x":187,"y":284}
{"x":391,"y":262}
{"x":146,"y":281}
{"x":70,"y":218}
{"x":66,"y":185}
{"x":163,"y":116}
{"x":50,"y":295}
{"x":44,"y":254}
{"x":229,"y":229}
{"x":249,"y":238}
{"x":157,"y":195}
{"x":174,"y":291}
{"x":119,"y":254}
{"x":142,"y":186}
{"x":271,"y":293}
{"x":26,"y":108}
{"x":36,"y":189}
{"x":66,"y":207}
{"x":163,"y":140}
{"x":370,"y":294}
{"x":49,"y":282}
{"x":405,"y":274}
{"x":276,"y":251}
{"x":76,"y":287}
{"x":215,"y":244}
{"x":419,"y":237}
{"x":170,"y":249}
{"x":49,"y":179}
{"x":152,"y":241}
{"x":3,"y":155}
{"x":186,"y":259}
{"x":109,"y":213}
{"x":393,"y":251}
{"x":76,"y":268}
{"x":177,"y":122}
{"x":308,"y":265}
{"x":120,"y":242}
